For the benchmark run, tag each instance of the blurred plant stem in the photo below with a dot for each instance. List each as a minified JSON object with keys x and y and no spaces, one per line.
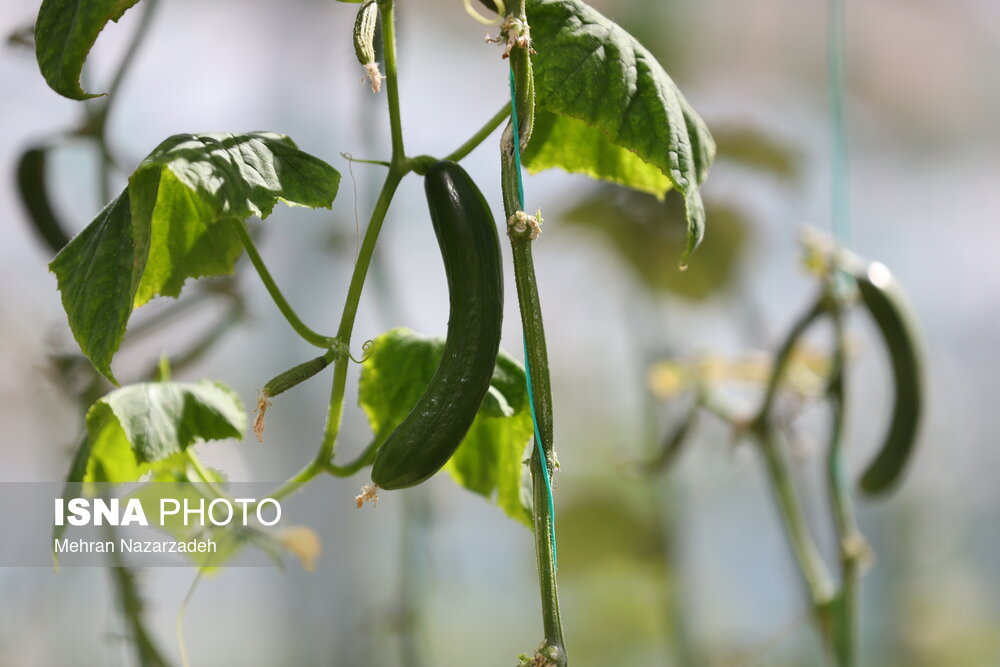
{"x":835,"y":608}
{"x":131,"y":608}
{"x":647,"y":334}
{"x":412,"y":578}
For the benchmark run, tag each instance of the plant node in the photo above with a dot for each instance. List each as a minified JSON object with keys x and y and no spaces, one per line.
{"x":522,"y":225}
{"x":514,"y":32}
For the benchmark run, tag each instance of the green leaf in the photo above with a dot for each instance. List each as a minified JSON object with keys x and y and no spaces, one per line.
{"x":572,"y":145}
{"x":173,"y":222}
{"x":190,"y":182}
{"x":491,"y":458}
{"x":64,"y":34}
{"x":590,"y":69}
{"x":98,"y":273}
{"x":146,"y":427}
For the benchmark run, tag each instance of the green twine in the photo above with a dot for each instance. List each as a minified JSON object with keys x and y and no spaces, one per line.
{"x":840,"y":207}
{"x":539,"y":445}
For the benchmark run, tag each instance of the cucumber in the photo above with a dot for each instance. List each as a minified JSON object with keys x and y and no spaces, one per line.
{"x":31,"y":185}
{"x":467,"y":235}
{"x":294,"y":376}
{"x":364,"y":42}
{"x":885,"y":300}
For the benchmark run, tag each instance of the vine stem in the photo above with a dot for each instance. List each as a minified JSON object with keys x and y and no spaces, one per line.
{"x":388,"y":24}
{"x":279,"y":299}
{"x":480,"y":135}
{"x":398,"y":168}
{"x":515,"y":137}
{"x":132,"y":609}
{"x":811,"y":565}
{"x":852,"y":546}
{"x":99,"y":120}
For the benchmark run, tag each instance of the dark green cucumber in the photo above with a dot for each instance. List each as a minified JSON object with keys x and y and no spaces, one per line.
{"x":884,"y":299}
{"x":31,"y":185}
{"x":470,"y":248}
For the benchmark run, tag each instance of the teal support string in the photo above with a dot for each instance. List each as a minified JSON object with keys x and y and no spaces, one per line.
{"x":527,"y":364}
{"x":840,"y":186}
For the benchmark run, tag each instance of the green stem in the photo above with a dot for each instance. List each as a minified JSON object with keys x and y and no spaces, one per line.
{"x":388,"y":23}
{"x":286,"y":309}
{"x":534,"y":336}
{"x":204,"y":474}
{"x":99,"y":121}
{"x":784,"y":354}
{"x":397,"y":170}
{"x":485,"y":131}
{"x":365,"y":458}
{"x":350,"y":312}
{"x":811,"y":565}
{"x":351,"y":158}
{"x":852,"y":546}
{"x":131,"y":606}
{"x":179,"y":620}
{"x":814,"y":570}
{"x":552,"y":650}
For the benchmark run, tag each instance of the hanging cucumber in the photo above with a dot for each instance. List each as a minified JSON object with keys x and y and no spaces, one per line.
{"x":31,"y":185}
{"x":470,"y":248}
{"x":884,"y":299}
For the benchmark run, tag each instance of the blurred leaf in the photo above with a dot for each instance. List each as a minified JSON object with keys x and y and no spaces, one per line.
{"x":172,"y":223}
{"x":590,"y":69}
{"x":574,"y":146}
{"x":601,"y":527}
{"x":491,"y":457}
{"x":756,"y":150}
{"x":146,"y":427}
{"x":229,"y":539}
{"x":64,"y":34}
{"x":22,"y":37}
{"x":650,"y":235}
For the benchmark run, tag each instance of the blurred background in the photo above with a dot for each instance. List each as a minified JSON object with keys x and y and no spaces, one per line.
{"x":687,"y":568}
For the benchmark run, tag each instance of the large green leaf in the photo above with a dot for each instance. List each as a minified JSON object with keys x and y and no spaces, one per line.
{"x":572,"y":145}
{"x":145,"y":427}
{"x":64,"y":34}
{"x":173,"y":222}
{"x":590,"y":69}
{"x":491,"y":456}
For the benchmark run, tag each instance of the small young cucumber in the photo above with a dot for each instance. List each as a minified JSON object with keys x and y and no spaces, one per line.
{"x":296,"y":375}
{"x":470,"y":248}
{"x":884,"y":299}
{"x":281,"y":383}
{"x":364,"y":42}
{"x":31,"y":185}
